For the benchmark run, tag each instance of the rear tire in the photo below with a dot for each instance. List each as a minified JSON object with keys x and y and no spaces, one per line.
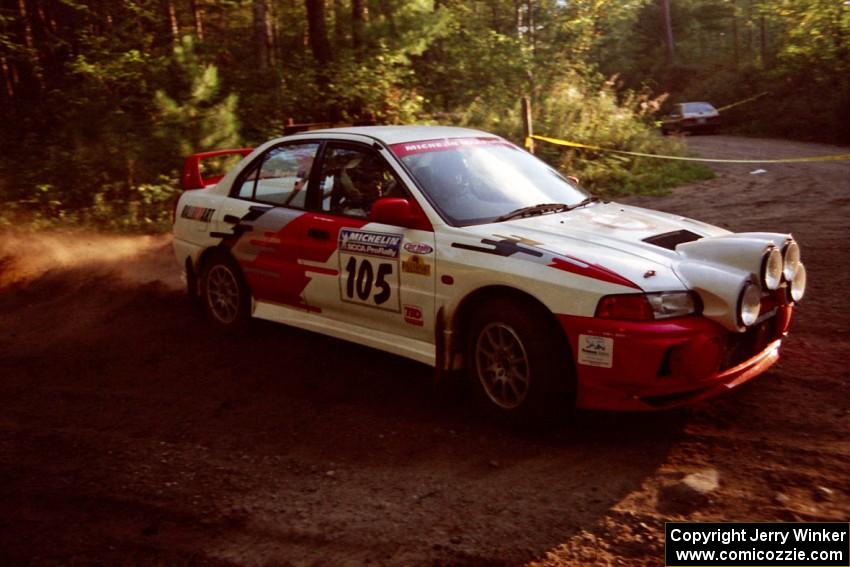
{"x":224,"y":293}
{"x":519,"y":363}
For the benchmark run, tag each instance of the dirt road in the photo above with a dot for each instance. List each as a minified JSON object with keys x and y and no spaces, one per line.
{"x":132,"y":433}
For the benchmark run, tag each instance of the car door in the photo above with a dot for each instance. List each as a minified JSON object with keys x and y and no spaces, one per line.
{"x":375,"y":275}
{"x":263,"y":223}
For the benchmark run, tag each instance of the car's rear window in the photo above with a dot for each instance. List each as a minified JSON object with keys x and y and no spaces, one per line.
{"x":697,"y":107}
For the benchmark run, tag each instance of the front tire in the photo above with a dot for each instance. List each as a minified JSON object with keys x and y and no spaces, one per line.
{"x":226,"y":298}
{"x":519,"y":362}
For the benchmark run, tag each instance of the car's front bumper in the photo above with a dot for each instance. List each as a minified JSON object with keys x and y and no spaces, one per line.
{"x":664,"y":364}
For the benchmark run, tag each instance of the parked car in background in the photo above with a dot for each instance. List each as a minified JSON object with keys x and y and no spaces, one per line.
{"x":691,"y":117}
{"x":461,"y":250}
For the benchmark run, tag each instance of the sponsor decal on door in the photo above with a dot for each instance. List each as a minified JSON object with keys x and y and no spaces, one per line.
{"x":413,"y":315}
{"x":369,"y":268}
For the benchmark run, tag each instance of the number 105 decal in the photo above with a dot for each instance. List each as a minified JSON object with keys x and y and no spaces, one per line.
{"x":368,"y":268}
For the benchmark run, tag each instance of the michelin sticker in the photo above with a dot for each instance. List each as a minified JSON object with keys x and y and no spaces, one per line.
{"x":377,"y":244}
{"x":595,"y":351}
{"x":369,"y":268}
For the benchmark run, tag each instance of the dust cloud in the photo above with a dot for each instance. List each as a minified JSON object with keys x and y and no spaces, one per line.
{"x":135,"y":258}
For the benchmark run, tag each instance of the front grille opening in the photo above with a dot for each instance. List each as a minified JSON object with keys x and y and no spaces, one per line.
{"x":741,"y":347}
{"x":664,"y":369}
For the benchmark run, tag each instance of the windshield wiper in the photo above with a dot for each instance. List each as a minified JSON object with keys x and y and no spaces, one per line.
{"x":534,"y":210}
{"x":543,"y":208}
{"x":583,"y":202}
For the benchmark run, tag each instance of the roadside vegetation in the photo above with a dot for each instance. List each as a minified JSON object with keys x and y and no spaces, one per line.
{"x":99,"y":102}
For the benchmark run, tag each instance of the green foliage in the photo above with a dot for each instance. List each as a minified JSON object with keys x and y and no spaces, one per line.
{"x":727,"y":51}
{"x":198,"y":118}
{"x":101,"y":101}
{"x":588,"y":110}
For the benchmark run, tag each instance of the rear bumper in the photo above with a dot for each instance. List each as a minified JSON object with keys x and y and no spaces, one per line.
{"x":659,"y":365}
{"x":708,"y":123}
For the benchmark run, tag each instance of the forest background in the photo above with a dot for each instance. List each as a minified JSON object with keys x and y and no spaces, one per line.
{"x":101,"y":100}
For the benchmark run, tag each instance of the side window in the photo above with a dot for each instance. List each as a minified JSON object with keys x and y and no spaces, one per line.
{"x":281,"y":176}
{"x":246,"y":186}
{"x":353,"y":178}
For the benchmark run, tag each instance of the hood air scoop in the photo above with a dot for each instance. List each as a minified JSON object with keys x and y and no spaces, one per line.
{"x":670,"y":240}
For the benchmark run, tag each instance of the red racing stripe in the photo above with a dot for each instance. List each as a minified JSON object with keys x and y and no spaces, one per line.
{"x":594,"y":271}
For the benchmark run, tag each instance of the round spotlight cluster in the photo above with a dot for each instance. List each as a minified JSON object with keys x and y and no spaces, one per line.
{"x":797,"y":286}
{"x":793,"y":272}
{"x":749,"y":304}
{"x":790,"y":260}
{"x":772,"y":269}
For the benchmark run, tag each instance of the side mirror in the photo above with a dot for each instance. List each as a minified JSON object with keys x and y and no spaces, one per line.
{"x":399,"y":212}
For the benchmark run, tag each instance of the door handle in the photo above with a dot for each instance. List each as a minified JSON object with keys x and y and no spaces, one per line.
{"x":318,"y":234}
{"x":231,"y":219}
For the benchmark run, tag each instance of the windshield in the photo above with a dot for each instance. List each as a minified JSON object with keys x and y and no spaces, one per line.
{"x":695,"y":107}
{"x":477,"y":180}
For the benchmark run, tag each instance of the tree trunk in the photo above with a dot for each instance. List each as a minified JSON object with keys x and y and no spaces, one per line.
{"x":173,"y":26}
{"x":517,"y":19}
{"x":198,"y":19}
{"x":668,"y":31}
{"x":339,"y":27}
{"x":8,"y":78}
{"x":26,"y":24}
{"x":318,"y":31}
{"x":263,"y":34}
{"x":358,"y":19}
{"x":33,"y":75}
{"x":735,"y":41}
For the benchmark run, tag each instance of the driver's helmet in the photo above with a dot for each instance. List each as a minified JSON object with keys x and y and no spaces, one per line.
{"x":366,"y":177}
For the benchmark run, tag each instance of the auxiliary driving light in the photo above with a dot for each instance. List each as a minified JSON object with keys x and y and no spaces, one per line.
{"x":797,"y":287}
{"x":749,"y":304}
{"x":771,"y":269}
{"x":790,"y":260}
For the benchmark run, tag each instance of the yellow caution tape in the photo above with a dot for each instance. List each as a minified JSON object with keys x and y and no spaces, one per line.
{"x":746,"y":100}
{"x":556,"y":141}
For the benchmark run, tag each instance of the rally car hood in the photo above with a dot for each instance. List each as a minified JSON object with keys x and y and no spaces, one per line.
{"x":621,"y":228}
{"x":642,"y":249}
{"x":628,"y":240}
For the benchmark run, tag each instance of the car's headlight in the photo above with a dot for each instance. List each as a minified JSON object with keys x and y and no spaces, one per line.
{"x":797,"y":286}
{"x":749,"y":304}
{"x":648,"y":306}
{"x":771,"y":269}
{"x":790,"y":260}
{"x":672,"y":304}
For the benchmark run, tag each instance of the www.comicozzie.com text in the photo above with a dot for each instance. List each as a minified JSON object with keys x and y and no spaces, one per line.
{"x":727,"y":536}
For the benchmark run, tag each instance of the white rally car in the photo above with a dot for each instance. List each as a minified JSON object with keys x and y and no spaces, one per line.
{"x":458,"y":249}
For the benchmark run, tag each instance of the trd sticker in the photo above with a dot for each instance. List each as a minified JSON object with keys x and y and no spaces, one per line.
{"x":197,"y":213}
{"x":595,"y":351}
{"x":413,"y":315}
{"x":416,"y":265}
{"x":418,"y":248}
{"x":380,"y":244}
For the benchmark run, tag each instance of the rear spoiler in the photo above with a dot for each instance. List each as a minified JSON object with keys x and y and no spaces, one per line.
{"x":192,"y":178}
